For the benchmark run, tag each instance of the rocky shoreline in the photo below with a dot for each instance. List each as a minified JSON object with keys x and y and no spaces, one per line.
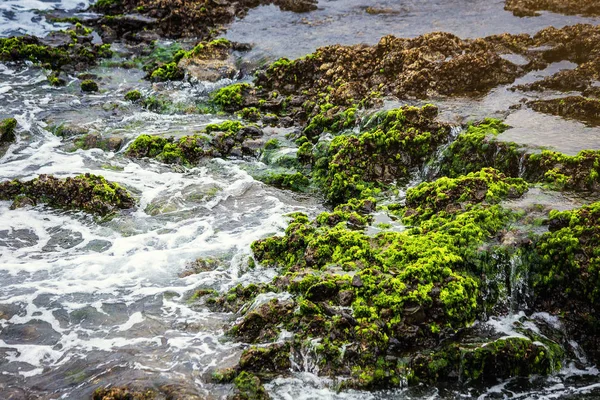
{"x":372,"y":310}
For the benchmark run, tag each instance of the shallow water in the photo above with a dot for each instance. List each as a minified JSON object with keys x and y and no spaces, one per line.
{"x":86,"y":303}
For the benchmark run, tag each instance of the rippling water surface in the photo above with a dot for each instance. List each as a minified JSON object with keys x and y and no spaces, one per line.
{"x":85,"y":303}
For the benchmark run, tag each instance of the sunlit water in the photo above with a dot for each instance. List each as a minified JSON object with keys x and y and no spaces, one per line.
{"x":86,"y":302}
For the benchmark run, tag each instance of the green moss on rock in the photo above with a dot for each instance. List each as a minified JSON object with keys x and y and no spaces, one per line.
{"x":249,"y":387}
{"x":230,"y":97}
{"x":90,"y":193}
{"x":361,"y":165}
{"x":133,"y":95}
{"x":89,"y":85}
{"x":451,"y":195}
{"x":7,"y":130}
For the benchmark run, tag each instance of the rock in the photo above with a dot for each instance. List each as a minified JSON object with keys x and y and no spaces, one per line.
{"x":89,"y":85}
{"x":34,"y":332}
{"x":7,"y":130}
{"x":87,"y":192}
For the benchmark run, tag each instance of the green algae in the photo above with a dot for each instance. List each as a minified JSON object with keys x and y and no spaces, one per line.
{"x":479,"y":148}
{"x":227,"y":138}
{"x":449,"y":195}
{"x":76,"y":54}
{"x":385,"y":152}
{"x":229,"y":97}
{"x":167,"y":72}
{"x":409,"y":287}
{"x":296,"y":182}
{"x":249,"y":387}
{"x":566,"y":261}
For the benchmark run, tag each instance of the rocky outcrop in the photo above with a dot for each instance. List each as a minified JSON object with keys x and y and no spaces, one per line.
{"x":531,"y":8}
{"x":90,"y":193}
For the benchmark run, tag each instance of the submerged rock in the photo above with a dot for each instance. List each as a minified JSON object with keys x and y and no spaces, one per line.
{"x":90,"y":193}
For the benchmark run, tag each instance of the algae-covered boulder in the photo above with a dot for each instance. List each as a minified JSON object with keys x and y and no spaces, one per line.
{"x":565,"y":275}
{"x":90,"y":193}
{"x":248,"y":387}
{"x":395,"y":142}
{"x":7,"y":130}
{"x":71,"y":49}
{"x":478,"y":147}
{"x":451,"y":195}
{"x":407,"y":291}
{"x":89,"y":85}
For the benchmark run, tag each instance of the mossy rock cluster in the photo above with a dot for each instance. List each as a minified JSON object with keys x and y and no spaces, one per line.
{"x":478,"y":147}
{"x":565,"y":265}
{"x":324,"y":89}
{"x":395,"y":307}
{"x":71,"y":49}
{"x":226,"y":139}
{"x":90,"y":193}
{"x":360,"y":165}
{"x":576,"y":43}
{"x":385,"y":309}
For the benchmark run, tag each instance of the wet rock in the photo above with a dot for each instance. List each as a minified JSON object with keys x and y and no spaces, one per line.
{"x":98,"y":141}
{"x":89,"y":85}
{"x":66,"y":50}
{"x":87,"y":192}
{"x":211,"y":61}
{"x":7,"y":131}
{"x":248,"y":387}
{"x":263,"y":361}
{"x":201,"y":265}
{"x":259,"y":325}
{"x":68,"y":130}
{"x":7,"y":311}
{"x":123,"y":393}
{"x":530,"y":8}
{"x":576,"y":107}
{"x":18,"y":238}
{"x":430,"y":65}
{"x":62,"y":238}
{"x":33,"y":332}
